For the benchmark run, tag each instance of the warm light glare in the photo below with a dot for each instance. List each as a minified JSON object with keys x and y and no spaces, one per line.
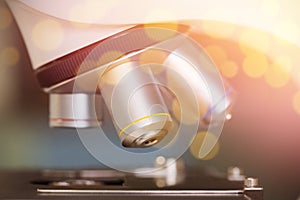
{"x":9,"y":56}
{"x":218,"y":29}
{"x":161,"y":32}
{"x":154,"y":56}
{"x":47,"y":35}
{"x":217,"y":54}
{"x":270,"y":8}
{"x":89,"y":82}
{"x":288,"y":30}
{"x":254,"y":40}
{"x":190,"y":88}
{"x":255,"y":65}
{"x":153,"y":15}
{"x":110,"y":56}
{"x":160,"y":183}
{"x":296,"y":102}
{"x":198,"y":142}
{"x":296,"y":73}
{"x":170,"y":137}
{"x":5,"y":18}
{"x":228,"y":68}
{"x":119,"y":72}
{"x":228,"y":116}
{"x":167,"y":30}
{"x":183,"y":112}
{"x":160,"y":160}
{"x":278,"y":74}
{"x":89,"y":11}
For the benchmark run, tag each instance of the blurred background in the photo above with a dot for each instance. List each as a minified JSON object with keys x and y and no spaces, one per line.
{"x":262,"y":137}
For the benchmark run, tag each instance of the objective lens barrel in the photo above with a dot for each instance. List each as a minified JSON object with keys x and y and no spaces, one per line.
{"x":135,"y":102}
{"x":77,"y":110}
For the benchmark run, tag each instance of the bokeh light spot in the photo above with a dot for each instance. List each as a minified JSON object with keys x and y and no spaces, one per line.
{"x":254,"y":40}
{"x":9,"y":56}
{"x":255,"y":65}
{"x":278,"y":74}
{"x":197,"y":144}
{"x":5,"y":18}
{"x":228,"y":68}
{"x":296,"y":102}
{"x":160,"y":160}
{"x":228,"y":116}
{"x":160,"y":183}
{"x":47,"y":35}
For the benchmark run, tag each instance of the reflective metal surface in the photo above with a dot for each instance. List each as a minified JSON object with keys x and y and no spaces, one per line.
{"x":108,"y":184}
{"x":77,"y":110}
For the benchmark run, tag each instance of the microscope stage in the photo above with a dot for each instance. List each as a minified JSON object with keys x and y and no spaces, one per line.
{"x":109,"y":184}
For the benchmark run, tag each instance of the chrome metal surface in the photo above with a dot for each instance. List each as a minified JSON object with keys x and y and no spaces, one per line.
{"x":145,"y":137}
{"x":251,"y":182}
{"x":75,"y":110}
{"x":157,"y":192}
{"x":136,"y":104}
{"x":109,"y":184}
{"x":166,"y":172}
{"x":235,"y":174}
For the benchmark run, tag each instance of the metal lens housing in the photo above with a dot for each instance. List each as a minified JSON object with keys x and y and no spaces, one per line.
{"x":136,"y":104}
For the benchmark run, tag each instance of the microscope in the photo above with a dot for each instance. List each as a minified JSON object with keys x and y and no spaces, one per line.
{"x":151,"y":80}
